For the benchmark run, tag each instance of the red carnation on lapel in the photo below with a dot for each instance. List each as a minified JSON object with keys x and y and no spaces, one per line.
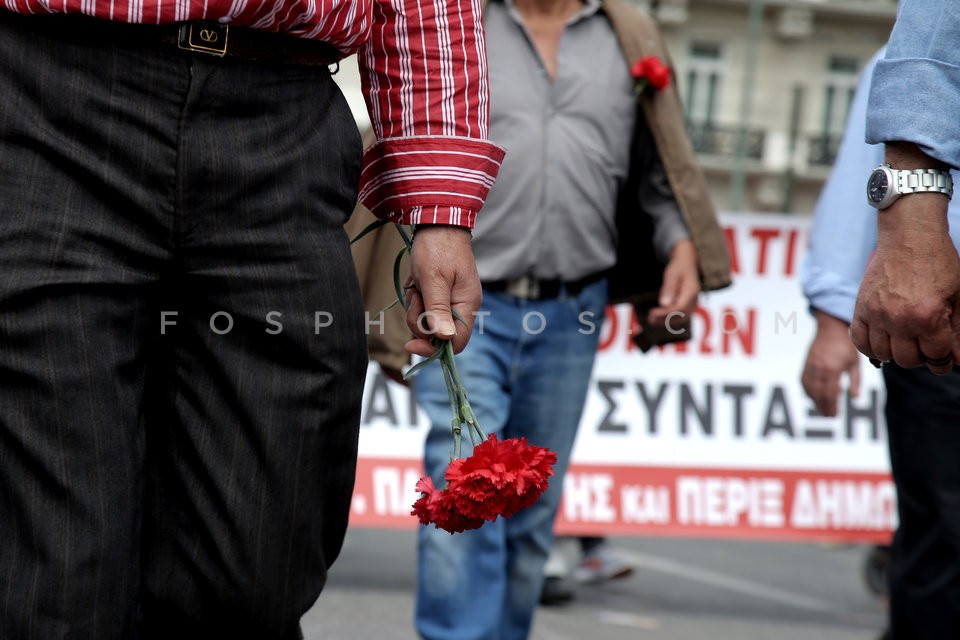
{"x":650,"y":70}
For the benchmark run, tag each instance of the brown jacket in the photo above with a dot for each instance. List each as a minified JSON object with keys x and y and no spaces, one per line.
{"x":637,"y":276}
{"x":663,"y":115}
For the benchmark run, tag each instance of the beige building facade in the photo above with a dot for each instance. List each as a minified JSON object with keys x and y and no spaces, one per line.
{"x":766,"y":86}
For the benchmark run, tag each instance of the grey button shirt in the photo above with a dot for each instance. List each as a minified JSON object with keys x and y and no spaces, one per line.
{"x":551,"y":212}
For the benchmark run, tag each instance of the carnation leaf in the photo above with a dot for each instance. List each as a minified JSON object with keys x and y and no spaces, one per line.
{"x":457,"y":316}
{"x":388,"y":307}
{"x":373,"y":226}
{"x":415,"y":369}
{"x":396,"y":275}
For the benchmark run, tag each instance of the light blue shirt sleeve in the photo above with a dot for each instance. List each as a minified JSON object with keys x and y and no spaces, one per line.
{"x":844,"y":230}
{"x":915,"y":95}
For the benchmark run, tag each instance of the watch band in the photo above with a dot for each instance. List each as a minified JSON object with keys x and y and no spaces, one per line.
{"x":924,"y":180}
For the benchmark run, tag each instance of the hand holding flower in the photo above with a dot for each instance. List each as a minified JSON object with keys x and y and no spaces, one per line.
{"x":500,"y":478}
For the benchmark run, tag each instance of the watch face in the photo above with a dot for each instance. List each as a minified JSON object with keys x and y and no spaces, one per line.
{"x":877,"y":186}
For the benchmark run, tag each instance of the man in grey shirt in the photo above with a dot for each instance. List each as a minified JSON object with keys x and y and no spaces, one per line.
{"x":563,"y":104}
{"x":565,"y":123}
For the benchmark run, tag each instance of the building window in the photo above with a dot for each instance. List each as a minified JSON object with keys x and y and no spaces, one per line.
{"x":703,"y":83}
{"x":840,"y":85}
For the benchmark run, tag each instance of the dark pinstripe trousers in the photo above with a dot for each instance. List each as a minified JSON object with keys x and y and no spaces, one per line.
{"x":177,"y":434}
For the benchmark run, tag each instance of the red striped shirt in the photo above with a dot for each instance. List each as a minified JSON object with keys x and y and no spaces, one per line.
{"x":424,"y":76}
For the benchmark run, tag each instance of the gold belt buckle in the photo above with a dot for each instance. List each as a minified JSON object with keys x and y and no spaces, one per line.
{"x":204,"y":37}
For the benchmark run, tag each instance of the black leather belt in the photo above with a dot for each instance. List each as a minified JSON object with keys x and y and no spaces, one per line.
{"x":209,"y":38}
{"x":530,"y":288}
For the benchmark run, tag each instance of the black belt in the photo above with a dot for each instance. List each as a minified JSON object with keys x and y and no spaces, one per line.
{"x":530,"y":288}
{"x":210,"y":38}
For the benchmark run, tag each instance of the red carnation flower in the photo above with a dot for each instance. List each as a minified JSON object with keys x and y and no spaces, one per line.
{"x":435,"y":507}
{"x":499,"y":479}
{"x":650,"y":70}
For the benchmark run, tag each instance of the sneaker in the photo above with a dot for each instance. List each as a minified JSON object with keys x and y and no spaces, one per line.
{"x":601,"y":564}
{"x":556,"y":590}
{"x":558,"y":582}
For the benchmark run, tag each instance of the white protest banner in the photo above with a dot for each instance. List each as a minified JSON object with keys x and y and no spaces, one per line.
{"x":713,"y":437}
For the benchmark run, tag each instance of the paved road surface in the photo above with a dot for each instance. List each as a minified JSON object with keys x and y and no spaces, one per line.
{"x":682,"y":590}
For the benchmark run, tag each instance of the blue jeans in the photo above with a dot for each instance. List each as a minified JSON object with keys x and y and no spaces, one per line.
{"x":524,"y":381}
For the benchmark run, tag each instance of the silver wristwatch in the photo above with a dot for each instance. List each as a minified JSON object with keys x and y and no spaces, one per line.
{"x":887,"y":184}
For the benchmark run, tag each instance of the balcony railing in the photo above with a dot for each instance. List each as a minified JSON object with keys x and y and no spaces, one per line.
{"x":722,"y":141}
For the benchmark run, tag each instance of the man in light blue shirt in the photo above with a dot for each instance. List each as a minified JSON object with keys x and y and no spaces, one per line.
{"x":908,"y":309}
{"x":922,"y":410}
{"x":842,"y":240}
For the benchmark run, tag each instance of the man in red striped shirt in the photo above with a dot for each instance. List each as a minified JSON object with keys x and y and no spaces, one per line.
{"x":181,"y":337}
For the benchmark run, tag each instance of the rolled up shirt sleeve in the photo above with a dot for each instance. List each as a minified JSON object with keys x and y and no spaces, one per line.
{"x":424,"y":78}
{"x":915,"y":94}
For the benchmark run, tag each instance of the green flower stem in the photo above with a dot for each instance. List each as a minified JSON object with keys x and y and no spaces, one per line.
{"x":455,"y":423}
{"x":455,"y":387}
